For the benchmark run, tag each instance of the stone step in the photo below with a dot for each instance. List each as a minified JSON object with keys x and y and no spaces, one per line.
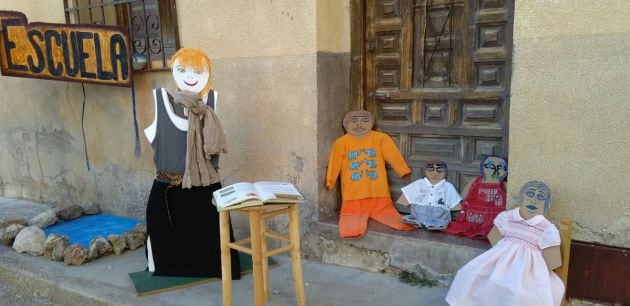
{"x":429,"y":254}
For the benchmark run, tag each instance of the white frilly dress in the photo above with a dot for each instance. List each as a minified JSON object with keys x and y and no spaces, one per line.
{"x":513,"y":272}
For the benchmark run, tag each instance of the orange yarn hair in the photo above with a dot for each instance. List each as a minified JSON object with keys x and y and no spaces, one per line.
{"x":197,"y":59}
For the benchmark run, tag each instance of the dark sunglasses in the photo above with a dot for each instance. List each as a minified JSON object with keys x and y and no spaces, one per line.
{"x":438,"y":168}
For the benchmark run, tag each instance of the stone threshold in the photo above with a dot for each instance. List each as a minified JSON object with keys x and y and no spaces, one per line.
{"x":429,"y":254}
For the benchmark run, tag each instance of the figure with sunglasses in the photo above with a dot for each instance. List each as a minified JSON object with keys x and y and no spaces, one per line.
{"x":518,"y":269}
{"x":484,"y":199}
{"x":431,"y":198}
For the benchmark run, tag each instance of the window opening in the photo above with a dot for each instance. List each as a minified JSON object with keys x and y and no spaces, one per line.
{"x":152,"y":26}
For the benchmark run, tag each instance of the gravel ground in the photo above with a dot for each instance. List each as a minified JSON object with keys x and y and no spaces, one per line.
{"x":14,"y":296}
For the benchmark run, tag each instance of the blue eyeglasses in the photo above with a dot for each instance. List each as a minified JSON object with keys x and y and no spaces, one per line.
{"x":491,"y":165}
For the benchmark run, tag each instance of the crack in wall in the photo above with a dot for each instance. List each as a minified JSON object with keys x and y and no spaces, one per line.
{"x":616,"y":233}
{"x":41,"y":170}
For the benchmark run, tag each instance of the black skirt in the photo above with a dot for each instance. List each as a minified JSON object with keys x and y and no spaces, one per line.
{"x":184,"y":232}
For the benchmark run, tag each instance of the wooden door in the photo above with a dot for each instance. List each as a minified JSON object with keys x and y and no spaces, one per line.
{"x":437,"y":78}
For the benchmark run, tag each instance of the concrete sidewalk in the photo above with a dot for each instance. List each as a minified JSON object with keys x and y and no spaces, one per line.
{"x":105,"y":281}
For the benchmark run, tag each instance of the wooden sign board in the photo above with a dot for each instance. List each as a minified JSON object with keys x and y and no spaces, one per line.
{"x":64,"y":52}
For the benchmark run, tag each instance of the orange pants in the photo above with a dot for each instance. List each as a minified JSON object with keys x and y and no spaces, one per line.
{"x":354,"y":216}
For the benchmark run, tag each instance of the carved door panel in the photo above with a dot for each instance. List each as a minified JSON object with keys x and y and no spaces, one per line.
{"x":438,"y":79}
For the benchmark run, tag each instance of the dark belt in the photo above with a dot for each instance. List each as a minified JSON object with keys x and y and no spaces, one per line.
{"x":173,"y":180}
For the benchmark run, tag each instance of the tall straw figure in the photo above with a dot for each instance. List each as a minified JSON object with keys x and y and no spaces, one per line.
{"x":187,"y":138}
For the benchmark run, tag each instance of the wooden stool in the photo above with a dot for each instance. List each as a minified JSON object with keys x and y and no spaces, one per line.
{"x":258,"y":250}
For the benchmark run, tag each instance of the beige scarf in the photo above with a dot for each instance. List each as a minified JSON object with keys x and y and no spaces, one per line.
{"x":205,"y":138}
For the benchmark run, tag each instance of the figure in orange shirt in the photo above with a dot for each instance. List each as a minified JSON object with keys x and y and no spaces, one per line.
{"x":359,"y":158}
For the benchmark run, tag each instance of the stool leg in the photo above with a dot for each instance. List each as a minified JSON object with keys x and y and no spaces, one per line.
{"x":294,"y":232}
{"x":254,"y":227}
{"x":226,"y":261}
{"x":265,"y":260}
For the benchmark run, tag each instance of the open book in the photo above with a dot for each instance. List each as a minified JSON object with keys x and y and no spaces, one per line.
{"x":241,"y":195}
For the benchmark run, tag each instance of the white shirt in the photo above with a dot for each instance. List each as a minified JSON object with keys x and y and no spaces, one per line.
{"x":422,"y":192}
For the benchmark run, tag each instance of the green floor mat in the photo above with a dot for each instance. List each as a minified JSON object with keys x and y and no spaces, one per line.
{"x":146,"y":284}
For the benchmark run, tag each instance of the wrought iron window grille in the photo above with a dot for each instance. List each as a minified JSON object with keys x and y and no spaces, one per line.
{"x":152,"y":26}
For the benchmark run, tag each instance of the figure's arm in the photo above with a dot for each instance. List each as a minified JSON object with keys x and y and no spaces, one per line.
{"x":453,"y":199}
{"x":408,"y":192}
{"x":466,"y":189}
{"x":496,"y":233}
{"x":150,"y":131}
{"x":402,"y":200}
{"x":494,"y":236}
{"x":392,"y":155}
{"x":552,"y":257}
{"x":334,"y":165}
{"x":549,"y":242}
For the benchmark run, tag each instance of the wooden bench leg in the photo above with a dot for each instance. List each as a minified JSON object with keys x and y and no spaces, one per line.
{"x":226,"y":261}
{"x":296,"y":255}
{"x":254,"y":227}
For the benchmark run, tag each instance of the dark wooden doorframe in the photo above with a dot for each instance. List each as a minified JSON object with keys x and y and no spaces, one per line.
{"x":357,"y":54}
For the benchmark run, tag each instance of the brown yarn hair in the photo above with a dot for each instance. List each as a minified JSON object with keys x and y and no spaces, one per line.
{"x":360,"y":113}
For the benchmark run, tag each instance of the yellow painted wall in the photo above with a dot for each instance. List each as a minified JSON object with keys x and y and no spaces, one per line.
{"x":333,"y":25}
{"x":236,"y":29}
{"x":568,"y":116}
{"x":570,"y":109}
{"x":265,"y":69}
{"x":41,"y":140}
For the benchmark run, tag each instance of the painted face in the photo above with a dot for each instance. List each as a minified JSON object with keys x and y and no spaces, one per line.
{"x":190,"y":79}
{"x":534,"y":200}
{"x":494,"y":169}
{"x":360,"y":125}
{"x":435,"y":173}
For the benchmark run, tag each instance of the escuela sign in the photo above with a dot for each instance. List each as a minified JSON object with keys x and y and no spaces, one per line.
{"x":77,"y":53}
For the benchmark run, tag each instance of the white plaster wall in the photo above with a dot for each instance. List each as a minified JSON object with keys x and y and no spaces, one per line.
{"x":569,"y":111}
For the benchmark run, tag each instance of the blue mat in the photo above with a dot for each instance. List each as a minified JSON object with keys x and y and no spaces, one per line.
{"x":85,"y":228}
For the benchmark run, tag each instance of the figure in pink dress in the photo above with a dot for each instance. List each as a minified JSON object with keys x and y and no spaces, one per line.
{"x":517,"y":270}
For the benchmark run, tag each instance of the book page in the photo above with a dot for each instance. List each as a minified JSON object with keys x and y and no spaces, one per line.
{"x":234,"y":194}
{"x":274,"y":190}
